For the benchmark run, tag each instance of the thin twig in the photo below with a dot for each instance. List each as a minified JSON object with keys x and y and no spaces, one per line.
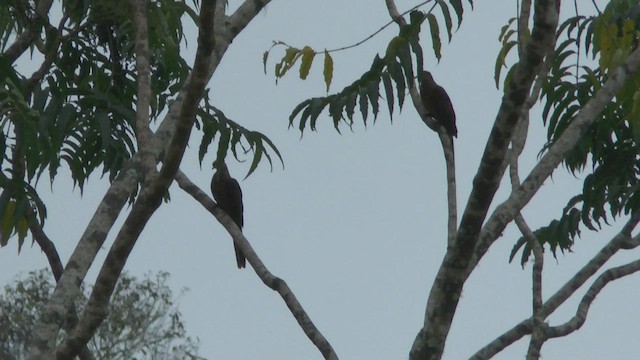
{"x":603,"y":280}
{"x":622,"y":240}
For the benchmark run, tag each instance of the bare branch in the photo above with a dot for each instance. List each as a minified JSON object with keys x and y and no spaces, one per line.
{"x":445,"y":292}
{"x":523,"y":24}
{"x":393,"y":12}
{"x":452,"y":199}
{"x":583,"y":308}
{"x":143,"y":69}
{"x":539,"y":327}
{"x":622,"y":240}
{"x":273,"y":282}
{"x":244,"y":14}
{"x":506,"y":211}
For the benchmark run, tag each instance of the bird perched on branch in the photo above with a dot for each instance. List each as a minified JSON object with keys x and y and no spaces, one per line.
{"x":437,"y":103}
{"x":227,"y":193}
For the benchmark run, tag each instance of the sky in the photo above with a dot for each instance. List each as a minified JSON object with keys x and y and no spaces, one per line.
{"x":355,"y":222}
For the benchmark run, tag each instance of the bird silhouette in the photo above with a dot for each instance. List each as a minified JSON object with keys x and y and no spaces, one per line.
{"x":227,"y":193}
{"x":437,"y":103}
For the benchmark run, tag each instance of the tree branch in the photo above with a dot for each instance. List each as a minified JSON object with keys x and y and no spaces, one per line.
{"x":48,"y":247}
{"x":273,"y":282}
{"x":445,"y":139}
{"x":538,"y":326}
{"x":583,"y":308}
{"x":151,"y":194}
{"x":104,"y":217}
{"x":453,"y":272}
{"x":506,"y":211}
{"x":244,"y":14}
{"x":30,"y":34}
{"x":622,"y":240}
{"x":143,"y":69}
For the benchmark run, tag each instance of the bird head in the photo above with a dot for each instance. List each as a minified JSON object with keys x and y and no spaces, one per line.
{"x":220,"y":166}
{"x":425,"y":76}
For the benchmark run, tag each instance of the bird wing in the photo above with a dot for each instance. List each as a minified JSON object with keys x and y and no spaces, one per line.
{"x":228,"y":195}
{"x":235,"y":208}
{"x":442,"y":109}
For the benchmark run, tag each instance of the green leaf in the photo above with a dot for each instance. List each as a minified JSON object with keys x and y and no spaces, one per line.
{"x":290,"y":57}
{"x":265,"y":56}
{"x":435,"y":35}
{"x":316,"y":107}
{"x":373,"y":94}
{"x":257,"y":155}
{"x":351,"y":103}
{"x":307,"y":58}
{"x":328,"y":69}
{"x":336,"y":110}
{"x":364,"y":105}
{"x":395,"y":70}
{"x":500,"y":60}
{"x":406,"y":64}
{"x":457,"y":7}
{"x":297,"y":110}
{"x":395,"y":44}
{"x":447,"y":17}
{"x":223,"y":143}
{"x":388,"y":91}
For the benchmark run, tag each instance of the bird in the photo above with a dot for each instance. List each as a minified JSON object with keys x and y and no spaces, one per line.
{"x":437,"y":103}
{"x":227,"y":193}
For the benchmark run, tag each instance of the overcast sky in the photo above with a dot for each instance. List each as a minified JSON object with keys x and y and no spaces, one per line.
{"x":355,"y":223}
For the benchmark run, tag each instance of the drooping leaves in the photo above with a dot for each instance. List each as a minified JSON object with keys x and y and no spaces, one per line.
{"x":79,"y":111}
{"x":395,"y":69}
{"x":507,"y":41}
{"x":398,"y":69}
{"x":558,"y":235}
{"x":232,"y":136}
{"x":609,"y":151}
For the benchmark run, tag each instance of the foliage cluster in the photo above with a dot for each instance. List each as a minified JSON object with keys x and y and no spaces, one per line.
{"x":144,"y":322}
{"x":78,"y":108}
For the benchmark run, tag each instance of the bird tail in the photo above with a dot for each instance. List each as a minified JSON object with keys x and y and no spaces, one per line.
{"x":240,"y":259}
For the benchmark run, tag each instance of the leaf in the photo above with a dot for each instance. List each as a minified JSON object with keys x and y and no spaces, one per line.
{"x":351,"y":104}
{"x":223,"y":143}
{"x":395,"y":70}
{"x":435,"y":35}
{"x":328,"y":69}
{"x":297,"y":110}
{"x":290,"y":57}
{"x":307,"y":58}
{"x":406,"y":64}
{"x":504,"y":29}
{"x":316,"y":107}
{"x":388,"y":90}
{"x":395,"y":44}
{"x":336,"y":110}
{"x":364,"y":105}
{"x":373,"y":94}
{"x":447,"y":17}
{"x":104,"y":126}
{"x":265,"y":56}
{"x":457,"y":7}
{"x":500,"y":61}
{"x":257,"y":155}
